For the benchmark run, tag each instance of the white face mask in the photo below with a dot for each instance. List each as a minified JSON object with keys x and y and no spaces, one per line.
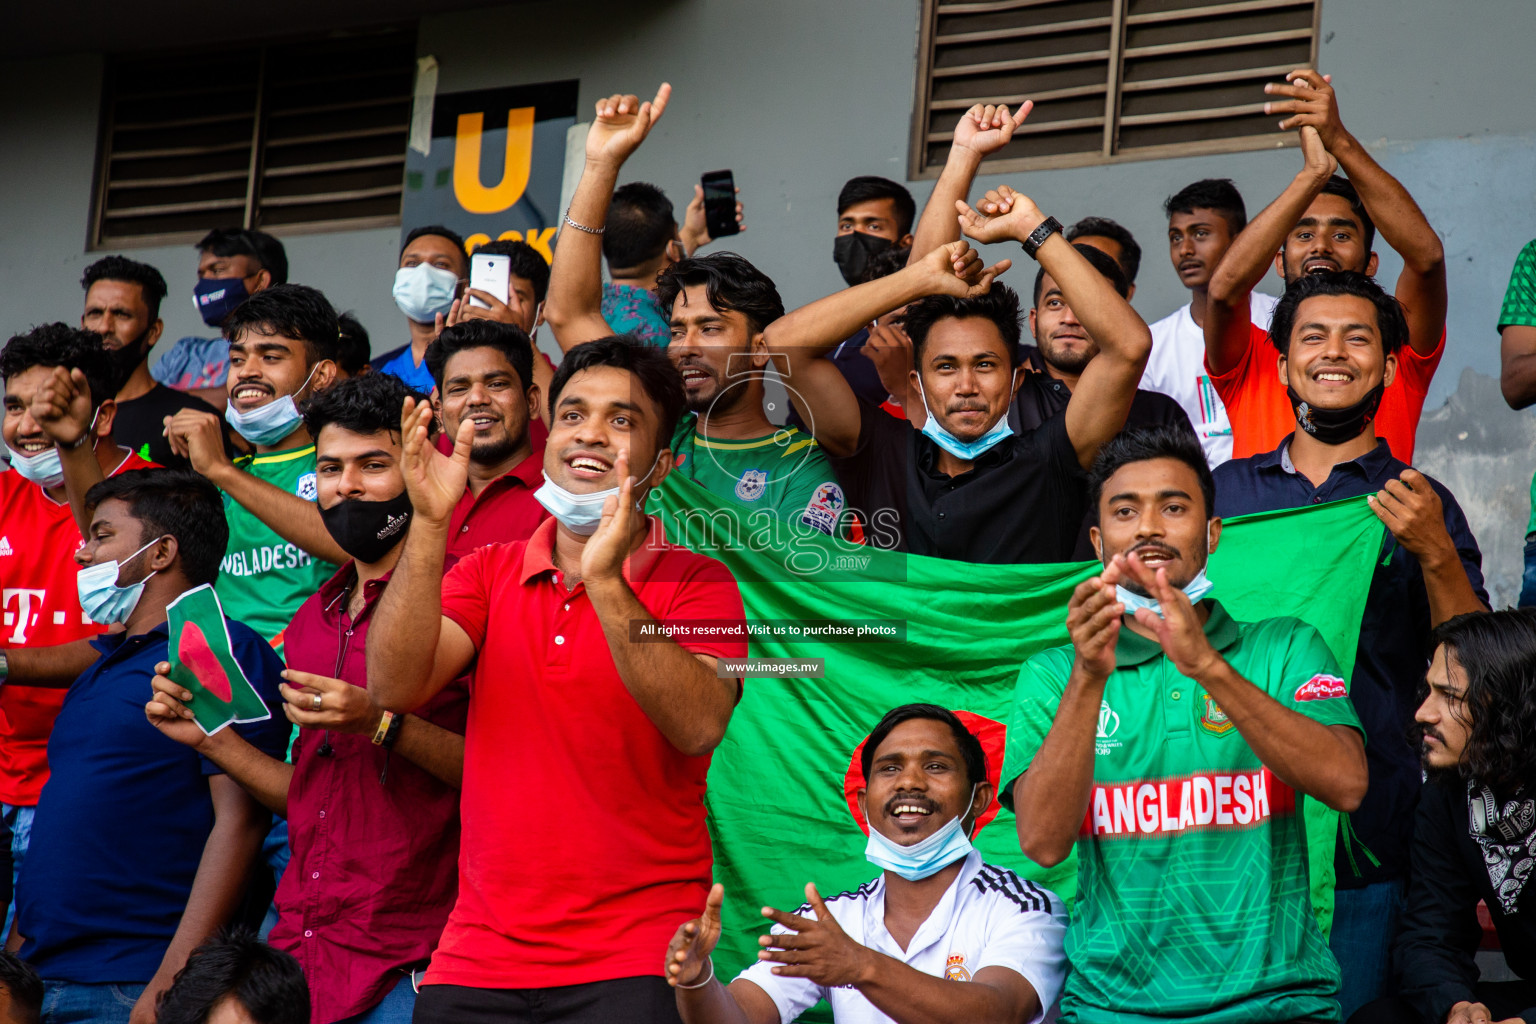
{"x":1195,"y":589}
{"x":969,"y":451}
{"x":581,"y":513}
{"x":423,"y":291}
{"x":45,"y":468}
{"x":270,"y":423}
{"x":922,"y":859}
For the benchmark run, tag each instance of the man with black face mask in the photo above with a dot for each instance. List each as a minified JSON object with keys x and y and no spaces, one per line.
{"x":1339,"y":336}
{"x":122,"y":304}
{"x":873,"y":214}
{"x":369,"y":794}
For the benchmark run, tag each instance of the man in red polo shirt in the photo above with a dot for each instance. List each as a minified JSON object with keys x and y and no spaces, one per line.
{"x":590,"y":729}
{"x":483,"y":370}
{"x":38,"y":540}
{"x":1321,"y":223}
{"x":371,"y":797}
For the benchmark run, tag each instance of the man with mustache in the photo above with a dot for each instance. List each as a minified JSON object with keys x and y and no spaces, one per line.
{"x":1169,"y":744}
{"x":1478,"y":698}
{"x":719,"y":307}
{"x":936,"y":914}
{"x":1344,"y":340}
{"x":1323,"y":222}
{"x":1203,"y":219}
{"x":122,"y":304}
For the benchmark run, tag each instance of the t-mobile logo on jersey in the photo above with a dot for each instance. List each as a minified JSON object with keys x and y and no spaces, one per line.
{"x":19,"y":611}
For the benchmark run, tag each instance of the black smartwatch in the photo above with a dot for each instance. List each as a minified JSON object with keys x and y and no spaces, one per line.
{"x":1037,"y":237}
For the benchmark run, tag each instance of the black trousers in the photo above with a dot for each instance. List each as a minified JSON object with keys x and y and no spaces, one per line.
{"x":630,"y":1000}
{"x":1504,"y":999}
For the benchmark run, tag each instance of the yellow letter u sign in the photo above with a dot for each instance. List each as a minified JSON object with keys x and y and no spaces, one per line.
{"x":467,"y":187}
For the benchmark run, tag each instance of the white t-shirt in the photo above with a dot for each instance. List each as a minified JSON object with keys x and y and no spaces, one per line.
{"x":1176,"y":367}
{"x":989,"y":917}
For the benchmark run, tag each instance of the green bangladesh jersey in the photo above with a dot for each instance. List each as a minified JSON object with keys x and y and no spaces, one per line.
{"x":1192,"y":899}
{"x":1520,"y":310}
{"x":785,"y":474}
{"x":263,"y":579}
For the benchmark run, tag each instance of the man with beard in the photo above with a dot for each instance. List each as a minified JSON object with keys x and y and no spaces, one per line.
{"x":1344,"y":337}
{"x":1323,"y":222}
{"x":1478,"y":712}
{"x":122,"y":304}
{"x":719,"y":308}
{"x":1169,"y":743}
{"x":483,"y":370}
{"x":888,"y":951}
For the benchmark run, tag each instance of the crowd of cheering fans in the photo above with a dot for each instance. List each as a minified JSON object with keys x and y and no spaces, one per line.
{"x":479,"y":797}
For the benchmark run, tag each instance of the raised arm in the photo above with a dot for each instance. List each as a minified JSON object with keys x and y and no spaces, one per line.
{"x":62,"y":407}
{"x":413,"y":649}
{"x":1311,"y":102}
{"x":1051,"y":798}
{"x":1325,"y":762}
{"x":200,"y":437}
{"x":574,"y":306}
{"x":1252,"y":253}
{"x":980,"y":132}
{"x":821,"y":394}
{"x":677,"y":689}
{"x":1101,"y":401}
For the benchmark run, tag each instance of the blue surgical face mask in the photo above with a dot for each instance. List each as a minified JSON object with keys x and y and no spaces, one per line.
{"x":581,"y":513}
{"x":970,"y":451}
{"x":102,"y":600}
{"x":423,"y":291}
{"x":270,"y":423}
{"x":1195,"y":589}
{"x":45,"y":469}
{"x":920,"y":860}
{"x":217,"y":297}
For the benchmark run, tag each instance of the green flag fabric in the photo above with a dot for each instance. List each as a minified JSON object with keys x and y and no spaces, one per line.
{"x":893,"y":629}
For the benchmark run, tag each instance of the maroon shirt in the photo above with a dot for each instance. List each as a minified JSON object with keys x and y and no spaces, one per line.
{"x":375,"y":838}
{"x":504,"y":512}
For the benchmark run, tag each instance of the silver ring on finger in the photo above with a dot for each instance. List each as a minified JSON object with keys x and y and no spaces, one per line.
{"x":315,"y":702}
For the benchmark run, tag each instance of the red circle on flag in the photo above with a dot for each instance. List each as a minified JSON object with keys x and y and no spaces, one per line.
{"x":992,"y":735}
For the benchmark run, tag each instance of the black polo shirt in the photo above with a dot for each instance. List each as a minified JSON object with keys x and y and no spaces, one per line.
{"x":1022,"y":501}
{"x":1393,"y":653}
{"x":1042,"y":396}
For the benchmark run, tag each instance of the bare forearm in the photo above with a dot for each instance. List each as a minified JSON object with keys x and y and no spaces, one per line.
{"x":402,"y":643}
{"x":677,"y":691}
{"x":1517,"y":354}
{"x":82,"y":471}
{"x":433,"y":748}
{"x":812,"y":331}
{"x":1306,"y":755}
{"x":909,"y":996}
{"x":289,"y":516}
{"x":263,"y":777}
{"x":574,"y":307}
{"x":1398,"y":219}
{"x":232,"y":847}
{"x":1051,"y":798}
{"x":713,"y":1004}
{"x":49,"y":667}
{"x":1249,"y":257}
{"x":938,"y":224}
{"x":1449,"y":589}
{"x":1118,"y":329}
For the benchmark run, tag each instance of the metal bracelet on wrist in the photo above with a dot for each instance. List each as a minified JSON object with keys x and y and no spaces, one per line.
{"x":583,"y":227}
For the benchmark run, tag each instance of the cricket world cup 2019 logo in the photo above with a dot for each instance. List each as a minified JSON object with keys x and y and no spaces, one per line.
{"x":1109,"y":725}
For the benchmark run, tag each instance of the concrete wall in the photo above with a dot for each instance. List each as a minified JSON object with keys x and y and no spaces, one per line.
{"x":798,"y":95}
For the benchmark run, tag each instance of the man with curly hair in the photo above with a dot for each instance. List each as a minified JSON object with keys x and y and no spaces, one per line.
{"x":1475,"y":837}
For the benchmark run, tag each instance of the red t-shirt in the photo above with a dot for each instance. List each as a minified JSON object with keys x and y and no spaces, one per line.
{"x":1261,"y":413}
{"x":38,"y":541}
{"x":504,"y":512}
{"x":584,"y":844}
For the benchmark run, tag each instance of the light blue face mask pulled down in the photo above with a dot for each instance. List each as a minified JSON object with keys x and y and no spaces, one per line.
{"x":920,"y":860}
{"x":970,"y":451}
{"x":43,"y":469}
{"x":423,"y":291}
{"x":581,"y":513}
{"x":1195,"y":589}
{"x":270,"y":423}
{"x":102,"y":600}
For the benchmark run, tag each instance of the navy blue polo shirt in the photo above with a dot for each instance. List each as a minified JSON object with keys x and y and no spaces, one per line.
{"x":122,"y":822}
{"x":1393,"y":653}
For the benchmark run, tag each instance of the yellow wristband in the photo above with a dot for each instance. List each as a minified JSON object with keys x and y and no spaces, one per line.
{"x":378,"y":734}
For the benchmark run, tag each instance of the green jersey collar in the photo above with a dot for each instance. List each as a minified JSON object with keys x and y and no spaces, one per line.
{"x":1133,"y":649}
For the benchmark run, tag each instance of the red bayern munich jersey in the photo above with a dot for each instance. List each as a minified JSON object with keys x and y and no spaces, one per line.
{"x":38,"y":541}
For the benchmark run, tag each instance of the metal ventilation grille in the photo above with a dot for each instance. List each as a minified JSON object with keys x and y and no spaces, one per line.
{"x":306,"y":136}
{"x":1111,"y":79}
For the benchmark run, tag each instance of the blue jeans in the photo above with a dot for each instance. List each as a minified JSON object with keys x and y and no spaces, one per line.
{"x":1364,"y":925}
{"x":1528,"y":581}
{"x":66,"y":1002}
{"x":396,"y":1007}
{"x":19,"y":821}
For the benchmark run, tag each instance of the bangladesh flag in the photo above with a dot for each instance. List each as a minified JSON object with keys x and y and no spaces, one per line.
{"x":896,"y":628}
